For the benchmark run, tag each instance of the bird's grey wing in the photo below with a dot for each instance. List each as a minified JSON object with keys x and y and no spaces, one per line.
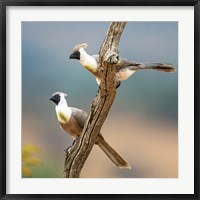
{"x":124,"y":63}
{"x":80,"y":116}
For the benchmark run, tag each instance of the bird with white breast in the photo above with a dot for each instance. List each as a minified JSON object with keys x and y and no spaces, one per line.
{"x":72,"y":121}
{"x":91,"y":63}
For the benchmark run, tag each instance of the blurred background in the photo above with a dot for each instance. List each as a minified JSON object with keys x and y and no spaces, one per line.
{"x":143,"y":122}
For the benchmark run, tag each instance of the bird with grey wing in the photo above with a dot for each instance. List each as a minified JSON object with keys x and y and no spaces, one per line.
{"x":125,"y":68}
{"x":72,"y":121}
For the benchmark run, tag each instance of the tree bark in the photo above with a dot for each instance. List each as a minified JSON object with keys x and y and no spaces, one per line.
{"x":79,"y":152}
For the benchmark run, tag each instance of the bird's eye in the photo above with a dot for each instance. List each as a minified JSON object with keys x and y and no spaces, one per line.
{"x":77,"y":53}
{"x":57,"y":96}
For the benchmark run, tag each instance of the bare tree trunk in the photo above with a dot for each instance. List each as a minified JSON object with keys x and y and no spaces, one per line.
{"x":79,"y":152}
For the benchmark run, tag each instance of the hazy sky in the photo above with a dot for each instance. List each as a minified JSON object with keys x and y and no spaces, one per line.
{"x":46,"y":68}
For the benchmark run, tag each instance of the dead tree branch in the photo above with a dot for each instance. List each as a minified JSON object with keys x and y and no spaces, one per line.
{"x":78,"y":153}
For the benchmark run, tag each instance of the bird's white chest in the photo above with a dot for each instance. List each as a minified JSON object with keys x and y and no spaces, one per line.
{"x":63,"y":113}
{"x":124,"y":74}
{"x":89,"y":63}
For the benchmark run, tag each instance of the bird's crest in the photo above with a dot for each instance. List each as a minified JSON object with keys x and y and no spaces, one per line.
{"x":59,"y":93}
{"x":77,"y":47}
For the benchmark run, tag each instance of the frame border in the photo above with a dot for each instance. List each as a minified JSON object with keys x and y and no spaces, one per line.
{"x":5,"y":3}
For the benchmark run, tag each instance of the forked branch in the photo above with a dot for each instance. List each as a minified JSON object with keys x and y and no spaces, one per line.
{"x":79,"y":152}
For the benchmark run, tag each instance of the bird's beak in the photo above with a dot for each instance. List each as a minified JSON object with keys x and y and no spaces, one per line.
{"x":75,"y":55}
{"x":52,"y":98}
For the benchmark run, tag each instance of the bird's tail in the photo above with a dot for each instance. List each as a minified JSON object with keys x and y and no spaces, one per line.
{"x":164,"y":67}
{"x":114,"y":156}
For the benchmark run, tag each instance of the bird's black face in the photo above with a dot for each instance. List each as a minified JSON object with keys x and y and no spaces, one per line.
{"x":55,"y":98}
{"x":75,"y":55}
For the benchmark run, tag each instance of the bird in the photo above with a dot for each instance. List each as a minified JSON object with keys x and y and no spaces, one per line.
{"x":91,"y":63}
{"x":72,"y":121}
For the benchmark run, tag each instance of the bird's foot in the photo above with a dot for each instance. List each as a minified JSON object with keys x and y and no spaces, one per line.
{"x":69,"y":149}
{"x":75,"y":141}
{"x":118,"y":84}
{"x":113,"y":59}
